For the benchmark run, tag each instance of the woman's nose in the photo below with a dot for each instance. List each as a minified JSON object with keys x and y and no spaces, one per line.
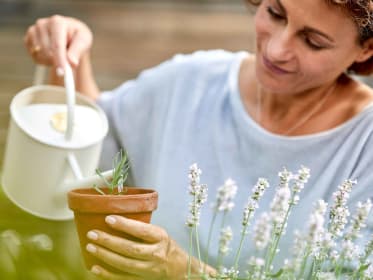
{"x":280,"y":47}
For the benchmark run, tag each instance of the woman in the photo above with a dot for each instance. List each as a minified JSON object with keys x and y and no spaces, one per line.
{"x":237,"y":115}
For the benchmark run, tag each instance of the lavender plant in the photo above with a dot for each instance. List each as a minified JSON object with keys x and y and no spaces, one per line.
{"x":328,"y":248}
{"x":120,"y":174}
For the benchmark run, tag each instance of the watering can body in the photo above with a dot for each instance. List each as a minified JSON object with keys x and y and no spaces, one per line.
{"x":37,"y":172}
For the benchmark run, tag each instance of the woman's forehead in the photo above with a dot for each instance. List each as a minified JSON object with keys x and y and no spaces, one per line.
{"x":316,"y":14}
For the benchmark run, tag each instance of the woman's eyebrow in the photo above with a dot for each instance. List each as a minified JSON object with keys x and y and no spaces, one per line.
{"x":306,"y":29}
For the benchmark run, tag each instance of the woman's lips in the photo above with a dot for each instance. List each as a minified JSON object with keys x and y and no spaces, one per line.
{"x":273,"y":68}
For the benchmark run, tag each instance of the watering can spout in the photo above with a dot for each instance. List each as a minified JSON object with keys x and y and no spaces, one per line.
{"x":88,"y":182}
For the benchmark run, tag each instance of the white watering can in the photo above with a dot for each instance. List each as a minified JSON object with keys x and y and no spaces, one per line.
{"x":53,"y":145}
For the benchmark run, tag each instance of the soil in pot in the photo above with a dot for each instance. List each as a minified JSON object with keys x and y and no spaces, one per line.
{"x":90,"y":209}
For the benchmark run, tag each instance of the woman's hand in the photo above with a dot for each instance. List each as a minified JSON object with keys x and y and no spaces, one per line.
{"x":156,"y":256}
{"x":56,"y":40}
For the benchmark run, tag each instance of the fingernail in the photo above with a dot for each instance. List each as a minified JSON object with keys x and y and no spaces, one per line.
{"x":60,"y":72}
{"x":91,"y":248}
{"x":92,"y":235}
{"x":110,"y":220}
{"x":95,"y":270}
{"x":74,"y":59}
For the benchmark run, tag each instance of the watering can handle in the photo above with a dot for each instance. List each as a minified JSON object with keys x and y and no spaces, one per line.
{"x":39,"y":77}
{"x":70,"y":101}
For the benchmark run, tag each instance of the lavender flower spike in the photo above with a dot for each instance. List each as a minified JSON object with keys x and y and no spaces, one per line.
{"x":339,"y":212}
{"x":225,"y":196}
{"x":199,"y":194}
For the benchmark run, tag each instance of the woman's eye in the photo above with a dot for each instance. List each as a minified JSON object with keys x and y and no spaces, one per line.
{"x":274,"y":14}
{"x":313,"y":45}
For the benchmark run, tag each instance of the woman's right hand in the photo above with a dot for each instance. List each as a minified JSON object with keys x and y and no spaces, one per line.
{"x":57,"y":40}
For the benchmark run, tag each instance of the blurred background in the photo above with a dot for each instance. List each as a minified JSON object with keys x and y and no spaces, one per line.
{"x":128,"y":36}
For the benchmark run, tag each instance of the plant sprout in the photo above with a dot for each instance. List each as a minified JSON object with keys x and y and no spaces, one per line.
{"x":120,"y":174}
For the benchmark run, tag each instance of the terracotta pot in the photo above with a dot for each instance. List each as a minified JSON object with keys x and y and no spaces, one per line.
{"x":90,"y":209}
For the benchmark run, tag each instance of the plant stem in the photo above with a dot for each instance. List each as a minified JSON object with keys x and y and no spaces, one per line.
{"x":206,"y":260}
{"x":238,"y":253}
{"x":278,"y":236}
{"x":220,"y":257}
{"x":338,"y":268}
{"x":190,"y":254}
{"x":304,"y":263}
{"x":237,"y":257}
{"x":197,"y":246}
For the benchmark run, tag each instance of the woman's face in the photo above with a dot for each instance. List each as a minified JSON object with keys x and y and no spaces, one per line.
{"x":302,"y":44}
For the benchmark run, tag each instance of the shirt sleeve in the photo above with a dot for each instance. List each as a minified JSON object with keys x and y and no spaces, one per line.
{"x":136,"y":108}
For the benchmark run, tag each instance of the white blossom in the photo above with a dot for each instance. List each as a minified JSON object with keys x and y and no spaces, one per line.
{"x":334,"y":255}
{"x":198,"y":193}
{"x":226,"y":236}
{"x":321,"y":250}
{"x":349,"y":250}
{"x":252,"y":203}
{"x":194,"y":178}
{"x":230,"y":273}
{"x":255,"y":268}
{"x":279,"y":208}
{"x":298,"y":250}
{"x":316,"y":222}
{"x":281,"y":202}
{"x":359,"y":220}
{"x":339,"y":212}
{"x":325,"y":276}
{"x":225,"y":196}
{"x":301,"y":179}
{"x":262,"y":231}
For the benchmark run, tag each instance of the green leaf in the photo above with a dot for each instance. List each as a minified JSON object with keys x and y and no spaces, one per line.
{"x":363,"y":267}
{"x":277,"y":274}
{"x":120,"y":172}
{"x":98,"y":190}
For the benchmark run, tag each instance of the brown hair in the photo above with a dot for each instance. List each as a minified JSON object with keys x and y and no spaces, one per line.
{"x":361,"y":11}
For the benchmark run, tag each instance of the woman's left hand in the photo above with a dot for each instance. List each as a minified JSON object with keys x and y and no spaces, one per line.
{"x":154,"y":256}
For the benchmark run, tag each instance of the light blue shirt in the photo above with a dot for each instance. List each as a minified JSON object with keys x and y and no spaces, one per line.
{"x":188,"y":110}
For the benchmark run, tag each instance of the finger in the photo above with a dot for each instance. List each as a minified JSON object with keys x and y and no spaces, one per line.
{"x":123,"y":246}
{"x":104,"y":274}
{"x":122,"y":263}
{"x":147,"y":232}
{"x":58,"y":38}
{"x":31,"y":42}
{"x":29,"y":37}
{"x":42,"y":47}
{"x":79,"y":43}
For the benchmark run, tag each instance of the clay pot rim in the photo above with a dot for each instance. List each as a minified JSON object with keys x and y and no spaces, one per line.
{"x":91,"y":192}
{"x":86,"y":200}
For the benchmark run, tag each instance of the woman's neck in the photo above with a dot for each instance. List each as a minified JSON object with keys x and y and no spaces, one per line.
{"x":286,"y":113}
{"x":301,"y":113}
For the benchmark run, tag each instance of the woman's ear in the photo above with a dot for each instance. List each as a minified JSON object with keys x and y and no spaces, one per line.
{"x":366,"y":51}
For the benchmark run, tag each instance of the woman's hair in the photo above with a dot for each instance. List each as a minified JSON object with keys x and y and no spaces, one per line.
{"x":361,"y":11}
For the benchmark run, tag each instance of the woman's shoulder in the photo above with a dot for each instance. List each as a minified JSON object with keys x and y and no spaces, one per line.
{"x":212,"y":61}
{"x":208,"y":56}
{"x":362,"y":96}
{"x":191,"y":65}
{"x":353,"y":97}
